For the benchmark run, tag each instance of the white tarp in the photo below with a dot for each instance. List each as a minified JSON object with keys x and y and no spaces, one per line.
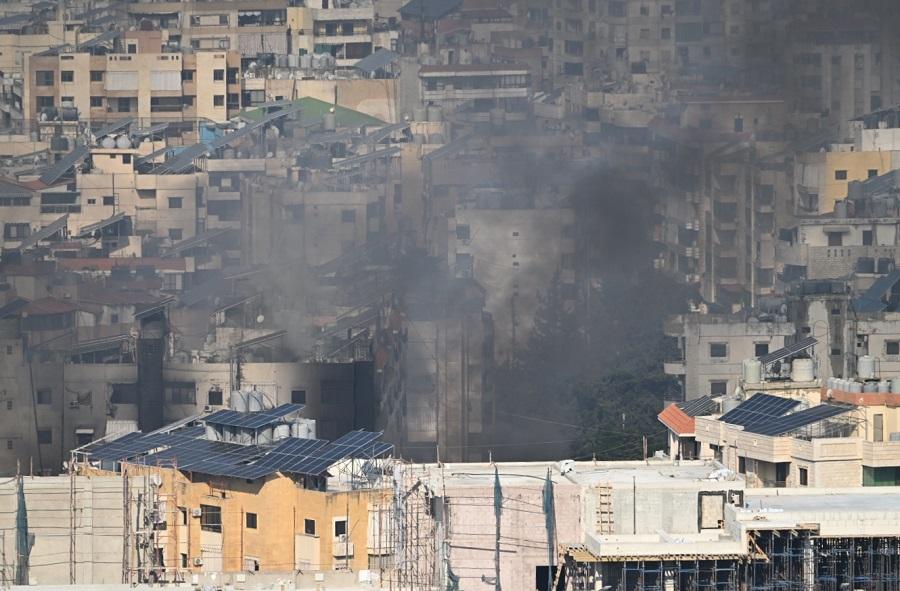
{"x":165,"y":80}
{"x":121,"y":80}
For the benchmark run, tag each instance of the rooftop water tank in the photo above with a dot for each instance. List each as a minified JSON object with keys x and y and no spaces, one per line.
{"x":303,"y":429}
{"x":329,"y":122}
{"x":123,"y":142}
{"x":212,"y":434}
{"x":730,"y":403}
{"x":254,"y":401}
{"x":802,"y":370}
{"x":239,"y":401}
{"x":895,"y":385}
{"x":282,"y":431}
{"x":870,"y":387}
{"x":752,"y":371}
{"x":108,"y":142}
{"x":884,"y":386}
{"x":855,"y":387}
{"x":420,"y":114}
{"x":865,"y":367}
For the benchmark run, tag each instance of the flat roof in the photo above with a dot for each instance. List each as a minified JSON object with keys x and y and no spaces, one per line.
{"x":653,"y":471}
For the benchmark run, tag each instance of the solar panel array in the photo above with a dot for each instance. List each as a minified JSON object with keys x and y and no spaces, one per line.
{"x":788,"y":350}
{"x":187,"y":449}
{"x":252,"y":420}
{"x":699,"y":406}
{"x":797,"y":420}
{"x":759,"y":409}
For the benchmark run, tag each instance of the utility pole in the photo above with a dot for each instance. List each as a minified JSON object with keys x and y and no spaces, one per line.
{"x":498,"y":510}
{"x":71,"y":523}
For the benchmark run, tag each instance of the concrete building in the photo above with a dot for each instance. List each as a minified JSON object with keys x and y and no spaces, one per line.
{"x":713,"y":347}
{"x":137,"y":75}
{"x":228,"y":497}
{"x":477,"y":90}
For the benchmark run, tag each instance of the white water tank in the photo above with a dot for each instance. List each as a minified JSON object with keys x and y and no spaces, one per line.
{"x":264,"y":436}
{"x":123,"y":142}
{"x":870,"y":387}
{"x":303,"y":429}
{"x":884,"y":386}
{"x":435,"y":114}
{"x":254,"y":401}
{"x":752,"y":373}
{"x":895,"y":385}
{"x":239,"y":401}
{"x":855,"y":387}
{"x":730,"y":403}
{"x":282,"y":432}
{"x":865,"y":367}
{"x":831,"y":383}
{"x":212,"y":434}
{"x":420,"y":114}
{"x":329,"y":122}
{"x":108,"y":143}
{"x":802,"y":370}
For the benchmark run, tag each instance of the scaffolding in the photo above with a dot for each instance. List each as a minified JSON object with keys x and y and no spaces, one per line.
{"x":779,"y":560}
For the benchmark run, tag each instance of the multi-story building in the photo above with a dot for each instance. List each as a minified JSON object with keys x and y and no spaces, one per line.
{"x":477,"y":90}
{"x":133,"y":75}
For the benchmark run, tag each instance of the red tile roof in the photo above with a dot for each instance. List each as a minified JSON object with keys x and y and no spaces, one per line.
{"x":107,"y":264}
{"x":861,"y":398}
{"x":676,"y":420}
{"x":49,"y":306}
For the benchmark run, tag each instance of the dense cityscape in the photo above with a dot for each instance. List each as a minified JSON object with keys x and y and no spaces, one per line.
{"x":450,"y":295}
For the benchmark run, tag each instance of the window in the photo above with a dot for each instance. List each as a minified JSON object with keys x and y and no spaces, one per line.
{"x":109,"y":200}
{"x":298,"y":396}
{"x":873,"y":172}
{"x":123,"y":394}
{"x":44,"y":102}
{"x":96,"y":101}
{"x":211,"y":518}
{"x":836,"y":311}
{"x":645,"y":11}
{"x":45,"y":436}
{"x":218,"y":75}
{"x":835,"y":238}
{"x":126,"y":158}
{"x":219,"y":100}
{"x":16,"y":231}
{"x":742,"y":465}
{"x":9,"y":444}
{"x":45,"y":396}
{"x":718,"y":388}
{"x":132,"y":48}
{"x":43,"y":78}
{"x":175,"y":234}
{"x":67,"y":76}
{"x":182,"y":516}
{"x":892,"y":347}
{"x":665,"y":33}
{"x":251,"y":520}
{"x":184,"y":560}
{"x":175,"y":202}
{"x":309,"y":527}
{"x":462,"y":232}
{"x":214,"y":397}
{"x":840,"y":175}
{"x":340,"y":527}
{"x":878,"y":428}
{"x":718,"y":350}
{"x":867,"y":237}
{"x":9,"y":405}
{"x":760,"y":349}
{"x":348,"y":215}
{"x":181,"y":392}
{"x":804,"y":477}
{"x":187,"y":75}
{"x":123,"y":104}
{"x":96,"y":75}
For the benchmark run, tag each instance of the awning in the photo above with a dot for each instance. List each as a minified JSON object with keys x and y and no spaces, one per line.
{"x":91,"y":228}
{"x":44,"y":233}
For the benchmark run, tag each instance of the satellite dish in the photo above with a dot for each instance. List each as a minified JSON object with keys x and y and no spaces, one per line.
{"x":260,"y":319}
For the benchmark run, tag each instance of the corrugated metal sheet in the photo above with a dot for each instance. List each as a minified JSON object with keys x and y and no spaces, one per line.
{"x":253,"y":44}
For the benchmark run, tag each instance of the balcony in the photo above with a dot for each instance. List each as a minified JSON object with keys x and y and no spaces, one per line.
{"x":674,"y":368}
{"x":341,"y":547}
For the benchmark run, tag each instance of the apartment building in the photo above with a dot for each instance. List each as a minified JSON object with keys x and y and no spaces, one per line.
{"x":133,"y":75}
{"x":343,"y":29}
{"x":477,"y":90}
{"x":312,"y":498}
{"x":712,"y":348}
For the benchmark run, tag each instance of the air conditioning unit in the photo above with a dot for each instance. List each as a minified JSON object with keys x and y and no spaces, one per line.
{"x":198,"y":562}
{"x":196,"y":513}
